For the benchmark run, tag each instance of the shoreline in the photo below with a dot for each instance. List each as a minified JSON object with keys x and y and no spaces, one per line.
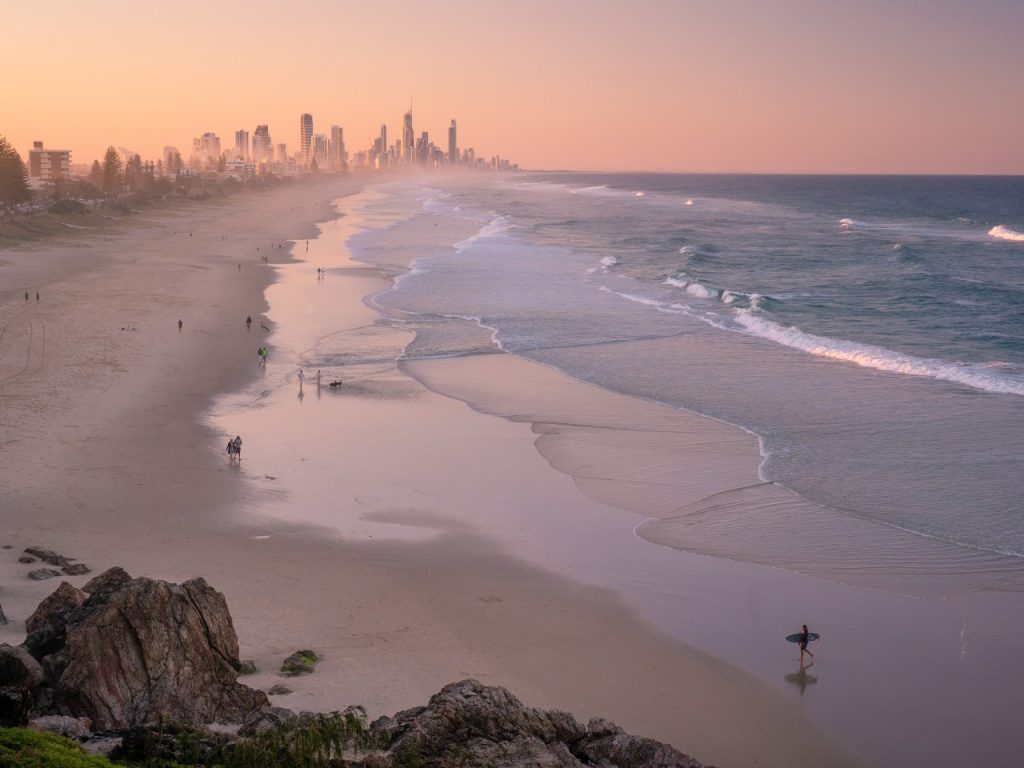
{"x":491,"y":609}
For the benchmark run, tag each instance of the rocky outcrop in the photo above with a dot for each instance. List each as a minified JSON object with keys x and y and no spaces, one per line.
{"x":471,"y":724}
{"x":58,"y":604}
{"x":48,"y":556}
{"x":20,"y":676}
{"x":299,"y":663}
{"x":3,"y":618}
{"x":62,"y":725}
{"x":42,"y":574}
{"x":140,"y":650}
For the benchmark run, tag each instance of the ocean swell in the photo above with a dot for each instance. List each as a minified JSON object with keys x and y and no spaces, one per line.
{"x":977,"y":376}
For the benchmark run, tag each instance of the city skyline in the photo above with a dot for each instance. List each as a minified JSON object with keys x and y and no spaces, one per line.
{"x":657,"y":85}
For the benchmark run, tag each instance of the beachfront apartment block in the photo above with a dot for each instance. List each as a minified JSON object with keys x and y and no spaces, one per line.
{"x":48,"y":164}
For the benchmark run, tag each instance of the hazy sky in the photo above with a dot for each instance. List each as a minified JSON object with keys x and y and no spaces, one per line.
{"x":899,"y":86}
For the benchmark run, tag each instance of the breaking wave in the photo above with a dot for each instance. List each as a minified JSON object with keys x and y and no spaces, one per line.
{"x":1005,"y":233}
{"x":978,"y":376}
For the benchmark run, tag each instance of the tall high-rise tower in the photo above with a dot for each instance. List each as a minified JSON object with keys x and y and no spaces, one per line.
{"x":262,"y":148}
{"x":242,"y":144}
{"x":453,"y":147}
{"x":408,"y":138}
{"x":305,"y":136}
{"x":339,"y":157}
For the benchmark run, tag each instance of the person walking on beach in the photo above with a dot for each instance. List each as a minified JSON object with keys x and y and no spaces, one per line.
{"x":302,"y":377}
{"x":179,"y":325}
{"x":248,"y":322}
{"x":237,"y":445}
{"x":318,"y":378}
{"x":805,"y":636}
{"x":37,"y":295}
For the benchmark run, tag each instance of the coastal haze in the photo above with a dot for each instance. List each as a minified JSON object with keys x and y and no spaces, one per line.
{"x":602,"y":346}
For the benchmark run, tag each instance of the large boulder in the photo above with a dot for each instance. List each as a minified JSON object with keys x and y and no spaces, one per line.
{"x":61,"y":602}
{"x":470,"y":724}
{"x":138,"y":651}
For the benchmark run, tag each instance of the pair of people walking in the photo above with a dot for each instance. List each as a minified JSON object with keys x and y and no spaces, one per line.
{"x":263,"y":352}
{"x":234,"y":449}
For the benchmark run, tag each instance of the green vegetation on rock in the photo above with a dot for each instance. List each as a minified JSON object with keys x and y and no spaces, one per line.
{"x":24,"y":748}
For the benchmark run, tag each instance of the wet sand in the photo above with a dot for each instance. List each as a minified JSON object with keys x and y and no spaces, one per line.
{"x":407,"y":570}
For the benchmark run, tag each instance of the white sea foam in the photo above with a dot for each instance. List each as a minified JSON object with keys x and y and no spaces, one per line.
{"x":686,"y":249}
{"x":494,"y":227}
{"x":878,"y":358}
{"x":1005,"y":233}
{"x":689,"y":202}
{"x":609,"y":261}
{"x":638,"y":194}
{"x":846,"y":224}
{"x":693,"y":288}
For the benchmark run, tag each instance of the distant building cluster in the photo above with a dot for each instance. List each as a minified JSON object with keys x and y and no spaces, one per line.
{"x":256,"y":154}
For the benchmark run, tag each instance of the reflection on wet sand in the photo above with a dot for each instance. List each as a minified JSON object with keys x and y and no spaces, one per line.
{"x":801,"y":678}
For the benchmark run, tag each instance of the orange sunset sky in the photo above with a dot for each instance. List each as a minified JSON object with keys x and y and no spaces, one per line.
{"x":803,"y":86}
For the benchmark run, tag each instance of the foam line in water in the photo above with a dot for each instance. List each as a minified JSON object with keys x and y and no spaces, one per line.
{"x":879,"y":358}
{"x":493,"y":228}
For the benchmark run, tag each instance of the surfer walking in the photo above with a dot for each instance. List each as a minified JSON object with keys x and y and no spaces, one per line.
{"x":805,"y":636}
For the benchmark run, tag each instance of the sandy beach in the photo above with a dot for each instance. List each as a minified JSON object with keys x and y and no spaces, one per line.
{"x":109,"y":457}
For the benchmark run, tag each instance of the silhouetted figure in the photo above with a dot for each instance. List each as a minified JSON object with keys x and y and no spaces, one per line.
{"x":248,"y":322}
{"x":26,"y":295}
{"x":179,"y":325}
{"x":37,"y":295}
{"x":804,"y":638}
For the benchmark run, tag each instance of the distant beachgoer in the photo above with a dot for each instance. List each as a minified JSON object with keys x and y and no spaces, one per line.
{"x":248,"y":322}
{"x":179,"y":325}
{"x":237,"y":443}
{"x":239,"y":267}
{"x":231,"y":450}
{"x":805,"y":636}
{"x":318,"y":377}
{"x":26,"y":295}
{"x":37,"y":295}
{"x":302,"y":377}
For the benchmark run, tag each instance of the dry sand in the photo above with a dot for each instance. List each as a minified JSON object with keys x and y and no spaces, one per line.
{"x":106,"y":457}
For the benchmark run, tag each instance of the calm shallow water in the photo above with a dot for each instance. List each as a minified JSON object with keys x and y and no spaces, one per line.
{"x":869,"y":331}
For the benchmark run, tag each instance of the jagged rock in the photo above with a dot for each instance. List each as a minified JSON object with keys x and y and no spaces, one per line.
{"x":18,"y":668}
{"x":59,"y":603}
{"x":15,"y":703}
{"x":41,"y":574}
{"x":144,"y":651}
{"x":247,"y":667}
{"x":279,"y":690}
{"x":107,"y":582}
{"x":625,"y":751}
{"x":265,"y":720}
{"x":27,"y":559}
{"x":72,"y":727}
{"x":48,"y":556}
{"x":76,"y":569}
{"x":299,"y":663}
{"x":470,"y":724}
{"x":102,"y":745}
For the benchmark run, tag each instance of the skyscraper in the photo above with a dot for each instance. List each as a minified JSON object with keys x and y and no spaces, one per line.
{"x":383,"y":151}
{"x":305,"y":136}
{"x":453,"y":147}
{"x":262,"y":149}
{"x":339,"y":157}
{"x":408,"y":138}
{"x":242,"y":144}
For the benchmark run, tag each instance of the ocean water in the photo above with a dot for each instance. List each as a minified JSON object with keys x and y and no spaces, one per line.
{"x":869,"y":331}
